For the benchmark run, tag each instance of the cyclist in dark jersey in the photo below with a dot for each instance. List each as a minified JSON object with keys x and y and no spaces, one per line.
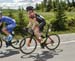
{"x":36,"y":22}
{"x":40,"y":19}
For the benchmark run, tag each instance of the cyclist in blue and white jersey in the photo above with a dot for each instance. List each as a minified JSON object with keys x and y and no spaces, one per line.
{"x":10,"y":25}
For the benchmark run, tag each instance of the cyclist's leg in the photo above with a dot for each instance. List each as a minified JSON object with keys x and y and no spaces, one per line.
{"x":8,"y":30}
{"x":41,"y":26}
{"x":39,"y":38}
{"x":37,"y":33}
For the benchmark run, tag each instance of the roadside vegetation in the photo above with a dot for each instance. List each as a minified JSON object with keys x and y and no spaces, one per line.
{"x":60,"y":15}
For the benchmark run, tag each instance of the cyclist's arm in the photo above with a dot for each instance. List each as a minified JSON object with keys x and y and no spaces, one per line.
{"x":34,"y":24}
{"x":34,"y":20}
{"x":29,"y":24}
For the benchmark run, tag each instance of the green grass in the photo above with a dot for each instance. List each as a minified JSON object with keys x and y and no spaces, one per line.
{"x":70,"y":15}
{"x":71,"y":30}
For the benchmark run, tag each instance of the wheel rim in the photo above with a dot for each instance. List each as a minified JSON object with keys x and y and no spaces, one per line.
{"x":28,"y":49}
{"x":51,"y":45}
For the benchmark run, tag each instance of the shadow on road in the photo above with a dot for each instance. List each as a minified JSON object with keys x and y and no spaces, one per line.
{"x":9,"y":52}
{"x":44,"y":56}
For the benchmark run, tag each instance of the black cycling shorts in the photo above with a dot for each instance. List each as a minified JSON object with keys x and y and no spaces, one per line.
{"x":41,"y":26}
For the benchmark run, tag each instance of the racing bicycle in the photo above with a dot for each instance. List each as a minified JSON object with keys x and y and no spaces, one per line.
{"x":16,"y":38}
{"x":50,"y":41}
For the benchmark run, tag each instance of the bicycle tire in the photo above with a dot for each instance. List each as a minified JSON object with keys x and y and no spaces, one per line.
{"x":0,"y":43}
{"x":23,"y":51}
{"x":15,"y":43}
{"x":14,"y":46}
{"x":23,"y":33}
{"x":58,"y":43}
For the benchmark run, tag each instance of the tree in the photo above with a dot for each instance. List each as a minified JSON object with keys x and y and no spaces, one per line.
{"x":10,"y":13}
{"x":42,"y":6}
{"x":0,"y":8}
{"x":45,"y":2}
{"x":20,"y":23}
{"x":64,"y":5}
{"x":21,"y":17}
{"x":73,"y":3}
{"x":60,"y":22}
{"x":55,"y":4}
{"x":49,"y":5}
{"x":69,"y":4}
{"x":37,"y":7}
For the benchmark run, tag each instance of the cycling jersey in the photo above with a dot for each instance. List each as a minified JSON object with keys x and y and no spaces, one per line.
{"x":39,"y":18}
{"x":10,"y":23}
{"x":7,"y":20}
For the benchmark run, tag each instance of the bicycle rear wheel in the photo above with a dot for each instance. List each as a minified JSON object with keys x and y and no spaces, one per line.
{"x":52,"y":42}
{"x":0,"y":43}
{"x":16,"y":41}
{"x":28,"y":49}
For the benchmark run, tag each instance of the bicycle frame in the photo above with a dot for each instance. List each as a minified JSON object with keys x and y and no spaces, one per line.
{"x":46,"y":35}
{"x":47,"y":30}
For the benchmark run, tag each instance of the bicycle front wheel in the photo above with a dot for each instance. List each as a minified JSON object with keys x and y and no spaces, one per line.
{"x":52,"y":41}
{"x":28,"y":46}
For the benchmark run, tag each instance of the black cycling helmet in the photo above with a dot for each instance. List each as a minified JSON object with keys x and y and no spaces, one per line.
{"x":29,"y":8}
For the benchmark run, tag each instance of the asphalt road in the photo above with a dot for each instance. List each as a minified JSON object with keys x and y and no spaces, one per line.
{"x":65,"y":52}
